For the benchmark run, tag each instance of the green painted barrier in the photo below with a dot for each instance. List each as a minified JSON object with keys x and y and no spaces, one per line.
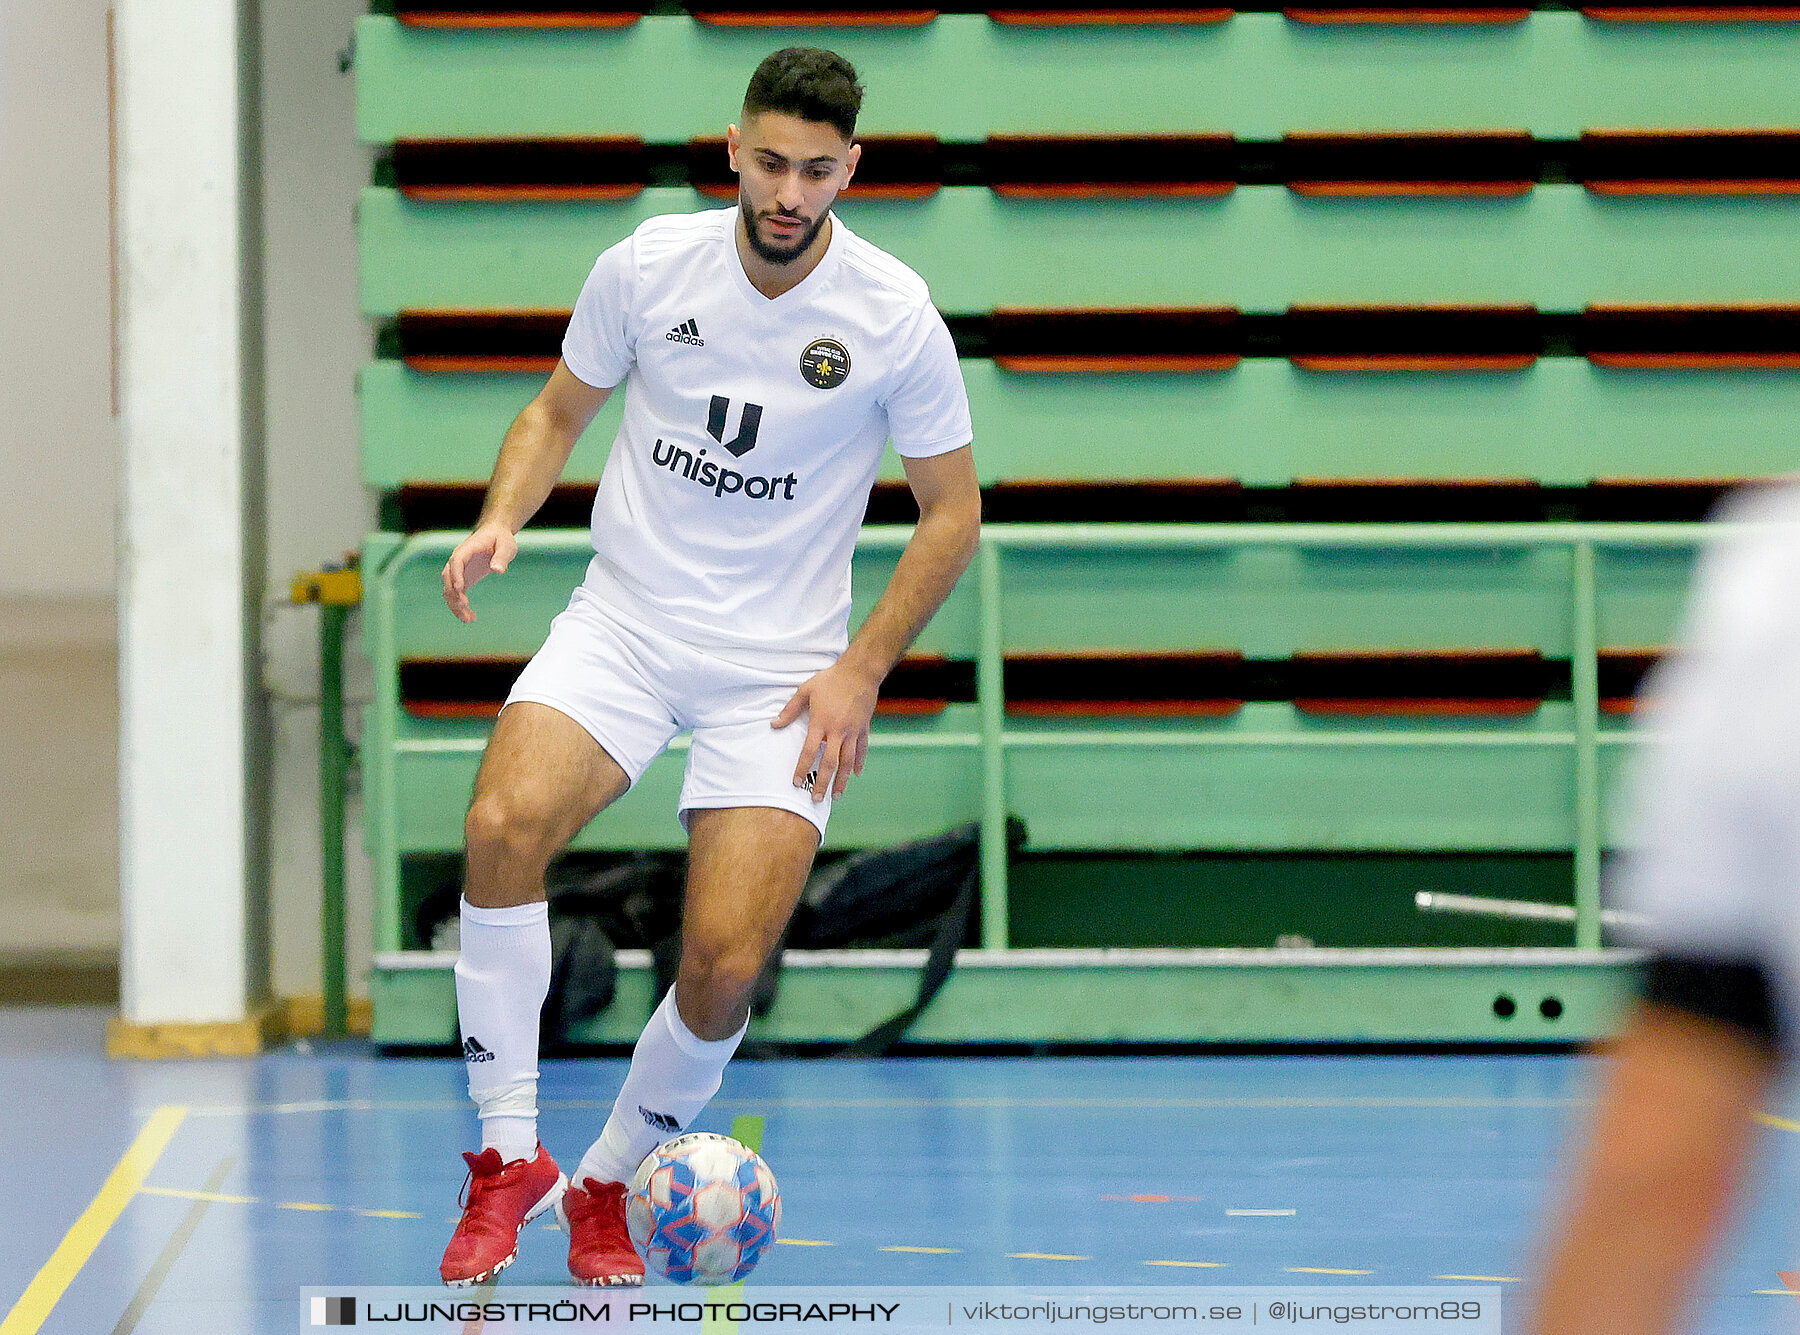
{"x":1145,"y":996}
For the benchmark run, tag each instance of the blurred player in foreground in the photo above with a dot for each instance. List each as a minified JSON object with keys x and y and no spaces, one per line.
{"x":1715,"y":864}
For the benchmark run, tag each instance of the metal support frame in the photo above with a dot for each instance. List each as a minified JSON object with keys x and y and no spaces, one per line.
{"x":994,"y":740}
{"x":336,"y":589}
{"x":334,"y":766}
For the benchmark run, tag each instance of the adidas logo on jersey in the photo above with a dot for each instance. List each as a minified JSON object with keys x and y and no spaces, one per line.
{"x":474,"y":1052}
{"x":686,"y":332}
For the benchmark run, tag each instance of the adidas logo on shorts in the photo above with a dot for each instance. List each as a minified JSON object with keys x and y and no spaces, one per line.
{"x":686,"y":332}
{"x":474,"y":1052}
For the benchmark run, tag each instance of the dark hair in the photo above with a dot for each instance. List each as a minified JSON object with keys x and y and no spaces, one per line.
{"x":809,"y":83}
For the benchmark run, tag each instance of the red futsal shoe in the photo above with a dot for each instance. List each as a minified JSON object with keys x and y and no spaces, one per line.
{"x":502,"y":1199}
{"x":600,"y":1250}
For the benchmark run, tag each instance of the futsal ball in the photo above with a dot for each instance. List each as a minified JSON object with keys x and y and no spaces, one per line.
{"x":702,"y":1209}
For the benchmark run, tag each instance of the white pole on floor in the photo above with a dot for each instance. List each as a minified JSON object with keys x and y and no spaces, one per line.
{"x":190,"y":528}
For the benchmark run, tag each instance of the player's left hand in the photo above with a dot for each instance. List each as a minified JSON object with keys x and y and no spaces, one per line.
{"x":838,"y":704}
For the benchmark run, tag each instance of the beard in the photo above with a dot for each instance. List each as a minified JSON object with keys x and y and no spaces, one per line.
{"x":768,"y":251}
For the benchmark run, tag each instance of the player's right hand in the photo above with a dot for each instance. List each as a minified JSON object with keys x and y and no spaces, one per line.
{"x":486,"y":551}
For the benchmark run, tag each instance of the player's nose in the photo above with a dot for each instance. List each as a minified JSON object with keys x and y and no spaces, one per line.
{"x":789,"y":195}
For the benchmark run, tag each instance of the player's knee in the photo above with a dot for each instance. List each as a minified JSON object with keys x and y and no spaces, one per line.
{"x":720,"y":980}
{"x":498,"y":827}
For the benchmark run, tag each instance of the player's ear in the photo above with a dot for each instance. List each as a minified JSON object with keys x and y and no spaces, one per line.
{"x":851,"y":158}
{"x":733,"y":140}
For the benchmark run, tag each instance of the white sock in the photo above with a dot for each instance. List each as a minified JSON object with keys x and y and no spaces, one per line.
{"x":501,"y":978}
{"x":673,"y":1076}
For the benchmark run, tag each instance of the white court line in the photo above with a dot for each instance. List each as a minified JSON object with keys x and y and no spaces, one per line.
{"x":1259,"y":1213}
{"x":1486,"y":1279}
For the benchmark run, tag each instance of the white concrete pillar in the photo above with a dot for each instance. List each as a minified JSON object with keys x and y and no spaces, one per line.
{"x":190,"y":576}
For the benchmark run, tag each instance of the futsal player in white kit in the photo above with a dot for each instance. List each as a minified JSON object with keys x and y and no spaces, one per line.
{"x":768,"y":355}
{"x":1715,"y":865}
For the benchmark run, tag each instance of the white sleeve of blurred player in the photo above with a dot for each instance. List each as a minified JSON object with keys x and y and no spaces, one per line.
{"x":1714,"y":847}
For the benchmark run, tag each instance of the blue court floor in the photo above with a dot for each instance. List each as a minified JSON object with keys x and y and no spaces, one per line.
{"x":341,"y":1168}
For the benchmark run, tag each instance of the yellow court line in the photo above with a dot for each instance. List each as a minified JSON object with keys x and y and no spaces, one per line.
{"x":182,"y":1194}
{"x":1779,"y":1123}
{"x":217,"y":1198}
{"x":713,"y":1323}
{"x":1199,"y":1265}
{"x":1783,"y":1293}
{"x":1318,"y":1270}
{"x":1486,"y":1279}
{"x":1225,"y":1104}
{"x":84,"y":1235}
{"x":930,"y":1251}
{"x":804,"y":1242}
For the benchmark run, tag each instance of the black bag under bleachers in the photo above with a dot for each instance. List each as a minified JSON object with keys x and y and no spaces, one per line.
{"x":633,"y":905}
{"x":915,"y":894}
{"x":912,"y":895}
{"x":594,"y":911}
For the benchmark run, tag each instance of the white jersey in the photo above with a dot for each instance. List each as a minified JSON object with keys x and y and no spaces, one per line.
{"x":1715,"y":850}
{"x":729,"y":507}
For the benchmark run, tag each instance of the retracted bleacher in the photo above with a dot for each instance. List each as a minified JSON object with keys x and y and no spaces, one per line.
{"x":1350,"y":384}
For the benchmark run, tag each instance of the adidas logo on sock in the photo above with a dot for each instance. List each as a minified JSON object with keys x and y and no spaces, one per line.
{"x":474,"y":1052}
{"x":661,"y":1121}
{"x":686,"y":332}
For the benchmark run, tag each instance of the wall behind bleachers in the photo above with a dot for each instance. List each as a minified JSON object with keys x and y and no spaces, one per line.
{"x":58,"y":445}
{"x":314,"y":340}
{"x":56,"y":433}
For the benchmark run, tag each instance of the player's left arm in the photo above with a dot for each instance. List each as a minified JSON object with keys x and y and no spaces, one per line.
{"x":840,"y":701}
{"x":1653,"y":1190}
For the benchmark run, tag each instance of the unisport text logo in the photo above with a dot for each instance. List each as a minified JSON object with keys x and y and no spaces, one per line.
{"x":723,"y":481}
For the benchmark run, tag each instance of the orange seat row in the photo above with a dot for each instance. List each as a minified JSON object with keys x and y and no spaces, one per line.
{"x":417,"y":506}
{"x":498,"y":14}
{"x":1051,"y":167}
{"x":1209,"y":339}
{"x":1502,"y":683}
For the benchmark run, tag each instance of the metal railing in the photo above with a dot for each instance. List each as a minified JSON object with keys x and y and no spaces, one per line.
{"x":993,"y":740}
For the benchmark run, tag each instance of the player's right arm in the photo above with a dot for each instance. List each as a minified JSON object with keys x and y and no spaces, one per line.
{"x":532,"y":458}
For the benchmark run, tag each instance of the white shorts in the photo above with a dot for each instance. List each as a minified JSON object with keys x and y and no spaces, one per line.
{"x":634,"y":689}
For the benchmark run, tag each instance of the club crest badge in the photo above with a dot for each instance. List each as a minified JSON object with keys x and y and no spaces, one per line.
{"x":825,"y":363}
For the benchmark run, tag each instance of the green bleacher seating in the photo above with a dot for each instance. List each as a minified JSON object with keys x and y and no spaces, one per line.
{"x":1257,"y":76}
{"x":1264,"y":423}
{"x":1370,"y":264}
{"x":1261,"y":248}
